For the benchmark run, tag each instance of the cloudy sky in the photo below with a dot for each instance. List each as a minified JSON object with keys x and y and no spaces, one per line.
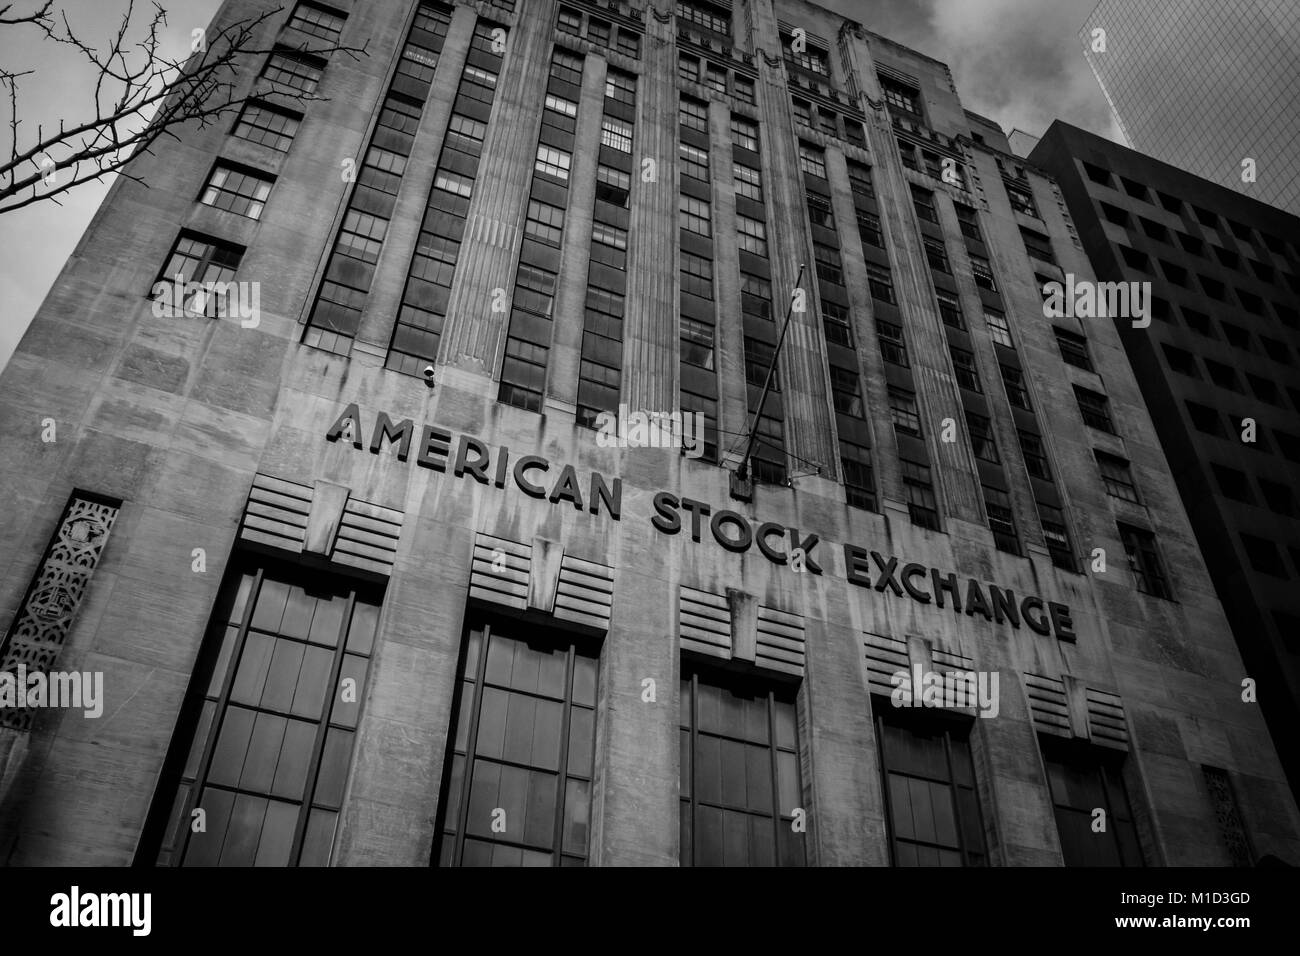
{"x":1016,"y":61}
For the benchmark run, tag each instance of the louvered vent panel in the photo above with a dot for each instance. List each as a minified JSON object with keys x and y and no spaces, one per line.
{"x":1106,"y":721}
{"x":499,"y":573}
{"x":585,"y":592}
{"x":1048,"y":706}
{"x":276,"y":513}
{"x":704,"y":622}
{"x":780,"y":644}
{"x":886,"y":656}
{"x":367,"y":537}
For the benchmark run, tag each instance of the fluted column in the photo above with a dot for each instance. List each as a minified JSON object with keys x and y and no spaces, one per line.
{"x":650,"y":346}
{"x":937,"y":396}
{"x":474,"y":336}
{"x":809,"y":436}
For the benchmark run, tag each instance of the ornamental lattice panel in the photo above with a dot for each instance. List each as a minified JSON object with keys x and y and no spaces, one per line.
{"x":45,"y":617}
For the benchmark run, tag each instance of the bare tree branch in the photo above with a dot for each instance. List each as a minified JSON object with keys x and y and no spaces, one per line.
{"x":139,"y":95}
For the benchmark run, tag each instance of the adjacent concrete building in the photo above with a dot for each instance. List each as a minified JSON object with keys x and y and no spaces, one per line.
{"x":1218,"y":369}
{"x":381,"y":564}
{"x":1206,"y":86}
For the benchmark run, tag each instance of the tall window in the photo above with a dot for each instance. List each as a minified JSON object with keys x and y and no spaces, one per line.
{"x":1031,"y":445}
{"x":269,"y":125}
{"x":319,"y":21}
{"x":705,"y":15}
{"x":1117,"y":477}
{"x":892,"y":346}
{"x":237,"y":190}
{"x":922,"y":506}
{"x":932,"y":808}
{"x":740,"y":779}
{"x":1057,"y":537}
{"x":297,"y":71}
{"x":999,"y":330}
{"x":1095,"y":409}
{"x":901,"y":97}
{"x":204,"y":262}
{"x":1073,"y":348}
{"x":1002,"y":520}
{"x":744,"y":133}
{"x":812,"y":160}
{"x":950,"y":309}
{"x":963,"y":366}
{"x":981,"y":437}
{"x":1017,"y":391}
{"x":267,"y":734}
{"x":1082,"y":781}
{"x":1144,"y":559}
{"x":516,"y":787}
{"x":903,"y":412}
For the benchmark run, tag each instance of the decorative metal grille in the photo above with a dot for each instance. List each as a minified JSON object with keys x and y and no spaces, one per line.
{"x":1225,"y":811}
{"x":45,"y":617}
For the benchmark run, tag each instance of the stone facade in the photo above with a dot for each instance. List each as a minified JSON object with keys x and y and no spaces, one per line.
{"x":178,"y":417}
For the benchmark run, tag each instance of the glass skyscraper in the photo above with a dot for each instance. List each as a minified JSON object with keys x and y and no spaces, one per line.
{"x":1205,"y":85}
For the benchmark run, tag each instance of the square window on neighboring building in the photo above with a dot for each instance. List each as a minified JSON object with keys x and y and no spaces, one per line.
{"x":1233,"y":483}
{"x":1205,"y":419}
{"x":1134,"y":189}
{"x":740,"y":776}
{"x":1279,"y":498}
{"x":1083,"y":780}
{"x":1180,"y":360}
{"x":1263,"y":555}
{"x":931,"y":801}
{"x":527,"y":699}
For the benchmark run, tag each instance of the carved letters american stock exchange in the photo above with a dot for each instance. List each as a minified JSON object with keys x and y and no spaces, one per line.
{"x":437,"y":448}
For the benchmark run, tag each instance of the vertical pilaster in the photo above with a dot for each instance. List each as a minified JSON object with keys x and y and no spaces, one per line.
{"x":810,"y":439}
{"x":650,"y":346}
{"x":475,"y":335}
{"x":937,"y":396}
